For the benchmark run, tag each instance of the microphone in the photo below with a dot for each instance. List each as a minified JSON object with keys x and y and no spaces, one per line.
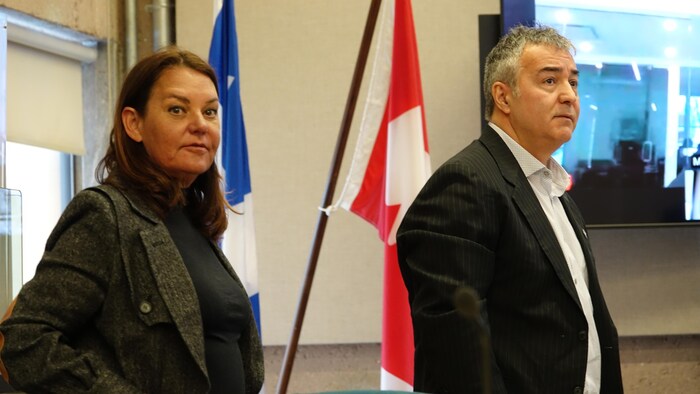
{"x":466,"y":301}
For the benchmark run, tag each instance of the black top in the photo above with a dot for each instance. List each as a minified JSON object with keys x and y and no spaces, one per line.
{"x":224,"y":305}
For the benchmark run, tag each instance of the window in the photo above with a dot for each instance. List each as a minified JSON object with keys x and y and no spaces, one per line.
{"x":43,"y":176}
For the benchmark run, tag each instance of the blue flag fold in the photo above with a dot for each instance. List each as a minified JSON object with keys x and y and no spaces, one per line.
{"x":239,"y":239}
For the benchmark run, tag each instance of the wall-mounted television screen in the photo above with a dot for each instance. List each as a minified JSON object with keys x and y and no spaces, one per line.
{"x":634,"y":157}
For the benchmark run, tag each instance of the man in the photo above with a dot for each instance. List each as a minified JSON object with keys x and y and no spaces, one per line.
{"x":496,"y":219}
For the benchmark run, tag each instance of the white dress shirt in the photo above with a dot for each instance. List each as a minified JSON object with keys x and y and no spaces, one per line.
{"x":549,"y":183}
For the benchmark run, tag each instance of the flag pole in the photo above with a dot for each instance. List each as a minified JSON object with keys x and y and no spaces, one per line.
{"x":341,"y":142}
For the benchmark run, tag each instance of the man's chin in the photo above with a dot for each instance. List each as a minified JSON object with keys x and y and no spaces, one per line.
{"x":563,"y":135}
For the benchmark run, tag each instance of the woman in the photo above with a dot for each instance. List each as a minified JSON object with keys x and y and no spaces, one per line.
{"x":132,"y":294}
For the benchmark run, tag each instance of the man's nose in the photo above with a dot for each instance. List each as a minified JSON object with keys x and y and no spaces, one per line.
{"x":568,"y":93}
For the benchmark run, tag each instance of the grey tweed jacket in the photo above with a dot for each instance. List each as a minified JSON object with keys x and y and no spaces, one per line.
{"x":112,"y":308}
{"x":478,"y":223}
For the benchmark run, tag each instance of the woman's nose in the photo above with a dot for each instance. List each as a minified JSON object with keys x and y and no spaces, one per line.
{"x":198,"y":123}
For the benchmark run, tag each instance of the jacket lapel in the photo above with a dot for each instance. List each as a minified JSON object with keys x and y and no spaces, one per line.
{"x":580,"y":229}
{"x":176,"y":289}
{"x":524,"y":198}
{"x":227,"y":265}
{"x":173,"y":281}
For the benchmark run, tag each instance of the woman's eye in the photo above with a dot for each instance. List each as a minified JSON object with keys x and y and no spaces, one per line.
{"x":212,"y":112}
{"x":176,"y":110}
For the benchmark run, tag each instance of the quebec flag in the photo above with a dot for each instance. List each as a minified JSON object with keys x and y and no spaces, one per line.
{"x":239,"y":239}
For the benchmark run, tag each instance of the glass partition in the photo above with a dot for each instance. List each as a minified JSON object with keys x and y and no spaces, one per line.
{"x":10,"y":246}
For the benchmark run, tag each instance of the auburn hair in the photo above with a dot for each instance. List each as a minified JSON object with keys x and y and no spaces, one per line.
{"x":127,"y":165}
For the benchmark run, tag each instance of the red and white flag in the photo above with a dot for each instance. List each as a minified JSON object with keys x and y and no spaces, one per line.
{"x":389,"y":167}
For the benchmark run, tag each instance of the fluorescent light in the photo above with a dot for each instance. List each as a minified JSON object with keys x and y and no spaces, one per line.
{"x":681,"y":8}
{"x":562,"y":16}
{"x":586,"y":46}
{"x":635,"y":70}
{"x":593,"y":107}
{"x":670,"y":25}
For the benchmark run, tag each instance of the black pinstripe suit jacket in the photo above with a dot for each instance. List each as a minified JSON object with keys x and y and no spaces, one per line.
{"x":478,"y":223}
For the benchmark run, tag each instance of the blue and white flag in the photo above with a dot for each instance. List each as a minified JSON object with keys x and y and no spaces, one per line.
{"x":239,"y":239}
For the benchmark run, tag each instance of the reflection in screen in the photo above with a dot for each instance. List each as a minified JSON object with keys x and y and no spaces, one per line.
{"x":635,"y":152}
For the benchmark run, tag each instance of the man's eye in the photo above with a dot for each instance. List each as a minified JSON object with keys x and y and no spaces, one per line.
{"x":549,"y":81}
{"x":574,"y":83}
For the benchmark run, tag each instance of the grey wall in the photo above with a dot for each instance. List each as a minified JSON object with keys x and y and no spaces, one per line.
{"x":650,"y":277}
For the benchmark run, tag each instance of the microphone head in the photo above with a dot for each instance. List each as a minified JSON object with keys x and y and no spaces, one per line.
{"x":466,"y":302}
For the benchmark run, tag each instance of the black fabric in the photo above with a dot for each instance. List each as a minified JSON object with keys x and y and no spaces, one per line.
{"x":477,"y":223}
{"x":224,"y":307}
{"x":5,"y":388}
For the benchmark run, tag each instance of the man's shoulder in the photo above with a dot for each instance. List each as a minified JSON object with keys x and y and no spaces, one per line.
{"x":473,"y":156}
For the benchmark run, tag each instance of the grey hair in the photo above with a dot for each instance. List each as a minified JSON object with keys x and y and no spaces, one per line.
{"x":503,"y":60}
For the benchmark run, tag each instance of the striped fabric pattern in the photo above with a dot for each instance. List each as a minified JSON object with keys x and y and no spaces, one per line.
{"x":477,"y":223}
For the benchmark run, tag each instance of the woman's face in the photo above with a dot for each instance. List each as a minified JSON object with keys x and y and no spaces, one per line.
{"x":180,"y":127}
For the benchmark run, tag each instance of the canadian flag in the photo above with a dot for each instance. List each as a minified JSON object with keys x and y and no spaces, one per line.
{"x":389,"y":167}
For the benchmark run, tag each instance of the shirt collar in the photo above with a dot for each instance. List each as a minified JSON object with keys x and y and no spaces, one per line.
{"x":531,"y":166}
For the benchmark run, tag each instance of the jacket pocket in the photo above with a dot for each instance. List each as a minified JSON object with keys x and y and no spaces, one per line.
{"x":145,"y":295}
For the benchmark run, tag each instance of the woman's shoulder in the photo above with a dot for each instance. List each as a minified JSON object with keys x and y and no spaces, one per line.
{"x":100,"y":204}
{"x":100,"y":193}
{"x":122,"y":202}
{"x":93,"y":198}
{"x":98,"y":200}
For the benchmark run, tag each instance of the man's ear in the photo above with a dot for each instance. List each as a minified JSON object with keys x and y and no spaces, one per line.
{"x":501,"y":95}
{"x":132,"y":123}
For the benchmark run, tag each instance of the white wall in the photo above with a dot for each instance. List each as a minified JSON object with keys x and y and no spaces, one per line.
{"x":297,"y":59}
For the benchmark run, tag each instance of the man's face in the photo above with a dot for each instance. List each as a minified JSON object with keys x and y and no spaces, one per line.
{"x":544,"y":112}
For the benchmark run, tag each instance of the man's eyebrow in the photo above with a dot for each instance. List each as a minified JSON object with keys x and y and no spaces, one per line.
{"x":557,"y":70}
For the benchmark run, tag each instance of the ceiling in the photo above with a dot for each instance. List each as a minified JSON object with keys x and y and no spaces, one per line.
{"x":658,"y":33}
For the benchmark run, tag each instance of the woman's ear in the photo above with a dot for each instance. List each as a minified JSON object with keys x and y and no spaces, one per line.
{"x":132,"y":123}
{"x":501,"y":94}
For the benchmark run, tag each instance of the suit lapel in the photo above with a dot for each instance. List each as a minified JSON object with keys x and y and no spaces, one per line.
{"x":229,"y":268}
{"x":176,"y":289}
{"x":224,"y":261}
{"x":580,"y":229}
{"x":172,"y":279}
{"x":524,"y":198}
